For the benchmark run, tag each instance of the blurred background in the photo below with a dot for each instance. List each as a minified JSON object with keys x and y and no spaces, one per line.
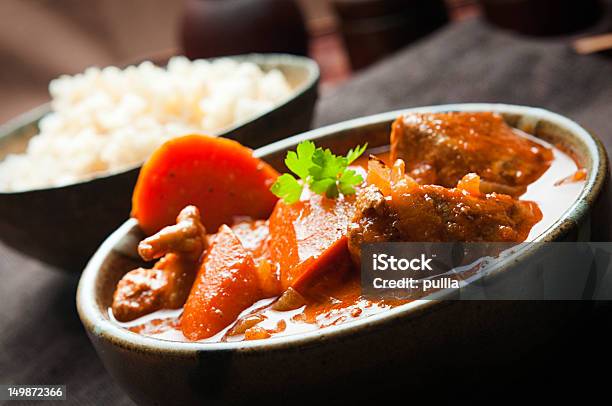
{"x":41,"y":39}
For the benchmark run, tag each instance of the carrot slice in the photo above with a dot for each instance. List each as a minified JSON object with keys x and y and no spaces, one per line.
{"x":254,"y":236}
{"x":226,"y":284}
{"x":217,"y":175}
{"x":308,"y":238}
{"x":334,"y":259}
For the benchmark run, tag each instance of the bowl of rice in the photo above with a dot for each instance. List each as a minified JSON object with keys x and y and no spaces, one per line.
{"x":68,"y":168}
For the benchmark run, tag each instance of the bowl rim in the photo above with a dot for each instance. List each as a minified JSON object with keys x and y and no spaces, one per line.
{"x":37,"y":113}
{"x":96,"y":323}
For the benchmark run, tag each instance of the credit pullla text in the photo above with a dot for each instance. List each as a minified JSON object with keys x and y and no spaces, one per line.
{"x":424,"y":285}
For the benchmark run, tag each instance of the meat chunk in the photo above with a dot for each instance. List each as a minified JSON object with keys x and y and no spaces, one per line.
{"x":186,"y":238}
{"x":394,"y":207}
{"x":441,"y":148}
{"x":143,"y":291}
{"x":165,"y":286}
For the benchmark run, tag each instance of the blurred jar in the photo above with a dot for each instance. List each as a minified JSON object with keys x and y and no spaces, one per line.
{"x":231,"y":27}
{"x":543,"y":17}
{"x":372,"y":29}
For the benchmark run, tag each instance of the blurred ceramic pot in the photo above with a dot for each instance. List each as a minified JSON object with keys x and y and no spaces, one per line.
{"x":232,"y":27}
{"x":542,"y":17}
{"x":372,"y":29}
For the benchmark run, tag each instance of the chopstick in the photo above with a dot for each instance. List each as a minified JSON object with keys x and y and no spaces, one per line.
{"x":595,"y":43}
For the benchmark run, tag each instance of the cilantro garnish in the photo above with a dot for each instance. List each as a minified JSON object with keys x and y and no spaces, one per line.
{"x":323,"y":172}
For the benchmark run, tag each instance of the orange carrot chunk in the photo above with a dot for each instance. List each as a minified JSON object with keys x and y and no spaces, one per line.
{"x":254,"y":236}
{"x":308,"y":238}
{"x":217,"y":175}
{"x":226,"y":284}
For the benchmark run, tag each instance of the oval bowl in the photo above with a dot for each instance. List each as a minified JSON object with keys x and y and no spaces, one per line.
{"x":396,"y":347}
{"x":63,"y":225}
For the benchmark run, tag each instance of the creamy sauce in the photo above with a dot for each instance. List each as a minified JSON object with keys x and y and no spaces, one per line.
{"x":552,"y":192}
{"x":164,"y":324}
{"x":552,"y":195}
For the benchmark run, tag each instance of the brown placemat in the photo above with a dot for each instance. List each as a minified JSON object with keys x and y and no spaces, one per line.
{"x":41,"y":338}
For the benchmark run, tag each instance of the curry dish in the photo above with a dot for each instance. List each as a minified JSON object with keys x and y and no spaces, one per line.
{"x":230,"y":260}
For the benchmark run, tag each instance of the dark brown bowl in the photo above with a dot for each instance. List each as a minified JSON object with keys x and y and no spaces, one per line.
{"x":400,"y":347}
{"x":64,"y":225}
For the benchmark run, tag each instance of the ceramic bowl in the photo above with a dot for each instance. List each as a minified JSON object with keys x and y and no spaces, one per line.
{"x":64,"y":225}
{"x":402,"y":345}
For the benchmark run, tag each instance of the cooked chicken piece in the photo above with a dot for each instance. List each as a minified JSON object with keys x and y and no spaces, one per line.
{"x":442,"y":148}
{"x":167,"y":285}
{"x":143,"y":291}
{"x":187,"y":238}
{"x":394,"y":207}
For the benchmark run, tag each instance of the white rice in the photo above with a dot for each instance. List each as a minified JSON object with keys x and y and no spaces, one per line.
{"x":107,"y":119}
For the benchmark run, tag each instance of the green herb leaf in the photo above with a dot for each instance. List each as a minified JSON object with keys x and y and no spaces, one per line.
{"x":287,"y":188}
{"x":353,"y":154}
{"x":325,"y":186}
{"x":326,"y":164}
{"x":348,"y":180}
{"x":300,"y":162}
{"x":321,"y":170}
